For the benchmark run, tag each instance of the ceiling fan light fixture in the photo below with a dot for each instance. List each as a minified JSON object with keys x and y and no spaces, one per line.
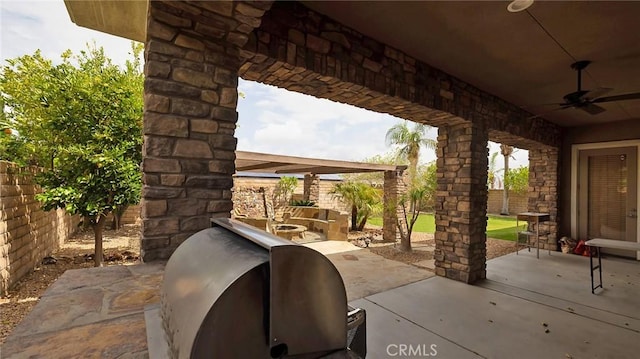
{"x":519,"y":5}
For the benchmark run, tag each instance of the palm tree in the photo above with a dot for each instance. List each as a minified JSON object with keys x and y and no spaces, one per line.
{"x":506,"y":151}
{"x":415,"y":196}
{"x":363,"y":199}
{"x":410,"y":142}
{"x":493,"y":180}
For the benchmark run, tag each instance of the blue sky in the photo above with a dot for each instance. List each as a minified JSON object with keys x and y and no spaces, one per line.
{"x":271,"y":120}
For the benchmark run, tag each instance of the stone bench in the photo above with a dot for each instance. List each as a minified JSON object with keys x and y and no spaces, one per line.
{"x":333,"y":224}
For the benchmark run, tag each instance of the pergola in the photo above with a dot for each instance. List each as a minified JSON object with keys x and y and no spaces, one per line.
{"x":312,"y":167}
{"x":279,"y":164}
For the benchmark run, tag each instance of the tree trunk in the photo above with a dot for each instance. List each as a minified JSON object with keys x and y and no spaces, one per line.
{"x":405,"y":242}
{"x":413,"y":166}
{"x":354,"y":218}
{"x":264,"y":202}
{"x":506,"y":152}
{"x":117,"y":216}
{"x":405,"y":234}
{"x":363,"y":222}
{"x":98,"y":228}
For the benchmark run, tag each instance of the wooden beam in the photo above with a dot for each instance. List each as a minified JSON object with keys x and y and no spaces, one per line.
{"x":312,"y":162}
{"x":260,"y":166}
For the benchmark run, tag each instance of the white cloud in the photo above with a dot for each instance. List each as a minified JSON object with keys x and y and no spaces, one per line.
{"x":30,"y":25}
{"x":278,"y":121}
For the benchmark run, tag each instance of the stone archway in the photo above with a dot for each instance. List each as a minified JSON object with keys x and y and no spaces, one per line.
{"x":196,"y":51}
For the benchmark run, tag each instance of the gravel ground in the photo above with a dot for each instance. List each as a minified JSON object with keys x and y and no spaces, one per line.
{"x":120,"y":247}
{"x":495,"y":247}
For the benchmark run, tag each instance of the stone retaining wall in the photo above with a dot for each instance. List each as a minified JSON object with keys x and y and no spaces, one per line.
{"x":247,"y":198}
{"x":27,"y":233}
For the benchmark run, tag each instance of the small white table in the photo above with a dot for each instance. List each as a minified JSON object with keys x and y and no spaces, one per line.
{"x":595,"y":245}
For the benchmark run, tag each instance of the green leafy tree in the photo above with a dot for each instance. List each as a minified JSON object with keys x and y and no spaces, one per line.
{"x":428,"y":180}
{"x":25,"y":88}
{"x":12,"y":148}
{"x":283,"y":191}
{"x":518,"y":179}
{"x":409,"y":142}
{"x":82,"y":119}
{"x":374,"y":178}
{"x":363,"y":199}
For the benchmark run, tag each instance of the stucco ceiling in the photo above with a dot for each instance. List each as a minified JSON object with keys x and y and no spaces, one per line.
{"x":522,"y":57}
{"x":126,"y":19}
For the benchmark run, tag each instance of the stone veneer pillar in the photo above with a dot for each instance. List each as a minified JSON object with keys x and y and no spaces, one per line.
{"x":191,"y":69}
{"x":311,"y":187}
{"x":543,"y":192}
{"x":461,"y":202}
{"x":393,"y":188}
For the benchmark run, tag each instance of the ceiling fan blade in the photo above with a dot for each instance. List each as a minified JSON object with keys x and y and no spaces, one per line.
{"x":575,"y":97}
{"x":562,"y":107}
{"x":598,"y":92}
{"x":530,"y":107}
{"x":592,"y":109}
{"x":628,"y":96}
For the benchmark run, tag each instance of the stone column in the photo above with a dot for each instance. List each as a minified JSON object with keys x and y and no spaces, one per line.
{"x":393,"y":188}
{"x":461,"y":202}
{"x":191,"y":69}
{"x":311,"y":187}
{"x":543,"y":192}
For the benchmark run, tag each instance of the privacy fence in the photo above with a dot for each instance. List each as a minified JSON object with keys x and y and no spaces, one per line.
{"x":27,"y":233}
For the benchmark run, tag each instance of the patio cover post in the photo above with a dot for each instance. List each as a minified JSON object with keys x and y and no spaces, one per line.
{"x":461,"y":202}
{"x":393,"y":188}
{"x":311,"y":187}
{"x":192,"y":58}
{"x":543,"y":192}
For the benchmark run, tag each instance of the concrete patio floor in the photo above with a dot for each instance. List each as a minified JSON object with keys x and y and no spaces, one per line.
{"x":527,"y":308}
{"x":99,"y":312}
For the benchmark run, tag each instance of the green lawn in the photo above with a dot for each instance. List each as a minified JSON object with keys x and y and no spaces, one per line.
{"x":499,"y":227}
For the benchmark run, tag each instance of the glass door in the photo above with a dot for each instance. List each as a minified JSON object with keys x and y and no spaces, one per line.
{"x":607,"y":198}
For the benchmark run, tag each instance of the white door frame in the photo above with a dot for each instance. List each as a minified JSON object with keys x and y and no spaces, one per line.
{"x":575,"y":149}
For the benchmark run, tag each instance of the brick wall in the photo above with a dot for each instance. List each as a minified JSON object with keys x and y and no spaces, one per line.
{"x":27,"y":234}
{"x":326,"y":199}
{"x":130,"y":216}
{"x":518,"y":202}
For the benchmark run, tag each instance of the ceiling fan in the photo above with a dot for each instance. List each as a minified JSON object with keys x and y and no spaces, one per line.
{"x":587,"y":100}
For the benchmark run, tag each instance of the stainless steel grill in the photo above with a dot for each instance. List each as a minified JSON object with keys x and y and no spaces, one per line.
{"x":234,"y":291}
